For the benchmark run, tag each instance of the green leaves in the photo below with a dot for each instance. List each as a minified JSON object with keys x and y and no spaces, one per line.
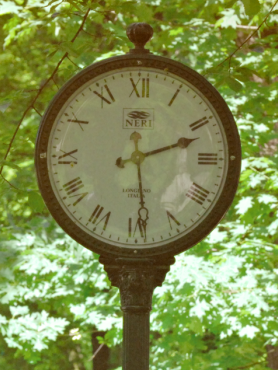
{"x":8,"y":7}
{"x":243,"y":205}
{"x":196,"y":325}
{"x":229,"y":19}
{"x":249,"y":331}
{"x":252,"y":7}
{"x":234,"y":84}
{"x":69,"y":48}
{"x":35,"y":201}
{"x":40,"y":329}
{"x":9,"y":164}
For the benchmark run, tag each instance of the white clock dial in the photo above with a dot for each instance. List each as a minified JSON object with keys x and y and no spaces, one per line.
{"x":137,"y":158}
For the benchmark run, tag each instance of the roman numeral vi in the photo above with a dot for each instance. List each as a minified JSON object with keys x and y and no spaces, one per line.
{"x":140,"y":226}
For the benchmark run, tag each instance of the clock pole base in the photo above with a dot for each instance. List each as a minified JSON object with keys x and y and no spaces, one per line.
{"x":136,"y":279}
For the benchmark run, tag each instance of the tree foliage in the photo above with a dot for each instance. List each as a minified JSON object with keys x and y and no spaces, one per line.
{"x":218,"y":306}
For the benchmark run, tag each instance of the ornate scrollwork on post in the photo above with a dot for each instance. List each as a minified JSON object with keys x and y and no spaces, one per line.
{"x":136,"y":287}
{"x":136,"y":279}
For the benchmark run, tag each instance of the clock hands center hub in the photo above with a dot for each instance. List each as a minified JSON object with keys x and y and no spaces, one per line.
{"x":137,"y":157}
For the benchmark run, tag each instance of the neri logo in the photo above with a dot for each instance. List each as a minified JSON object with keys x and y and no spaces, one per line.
{"x":139,"y":118}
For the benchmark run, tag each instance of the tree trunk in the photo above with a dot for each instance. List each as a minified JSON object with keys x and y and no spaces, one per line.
{"x":272,"y":356}
{"x":101,"y":352}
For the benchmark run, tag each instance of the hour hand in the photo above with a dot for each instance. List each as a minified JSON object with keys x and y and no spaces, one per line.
{"x":121,"y":162}
{"x":136,"y":155}
{"x":135,"y":136}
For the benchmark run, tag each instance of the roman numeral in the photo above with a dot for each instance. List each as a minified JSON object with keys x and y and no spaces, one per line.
{"x":69,"y":154}
{"x":78,"y":121}
{"x":174,"y":97}
{"x":103,"y":99}
{"x":207,"y":158}
{"x":201,"y":122}
{"x":145,"y":87}
{"x":95,"y":217}
{"x":170,"y":216}
{"x":197,"y":193}
{"x":139,"y":225}
{"x":73,"y":186}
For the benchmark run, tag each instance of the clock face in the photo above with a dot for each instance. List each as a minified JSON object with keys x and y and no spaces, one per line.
{"x":137,"y":158}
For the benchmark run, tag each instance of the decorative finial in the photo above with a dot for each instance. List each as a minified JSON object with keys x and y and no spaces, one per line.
{"x":139,"y":34}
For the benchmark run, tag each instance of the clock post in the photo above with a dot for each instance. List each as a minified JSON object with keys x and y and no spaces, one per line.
{"x":136,"y":279}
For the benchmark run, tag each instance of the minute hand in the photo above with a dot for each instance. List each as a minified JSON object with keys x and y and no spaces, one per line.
{"x":182,"y":143}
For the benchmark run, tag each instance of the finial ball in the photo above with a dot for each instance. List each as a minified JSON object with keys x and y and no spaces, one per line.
{"x":139,"y":34}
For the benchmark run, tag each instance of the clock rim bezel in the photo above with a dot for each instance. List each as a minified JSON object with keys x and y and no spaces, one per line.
{"x":229,"y":127}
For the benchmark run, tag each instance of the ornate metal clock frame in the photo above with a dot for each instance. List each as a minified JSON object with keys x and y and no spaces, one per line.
{"x":137,"y":272}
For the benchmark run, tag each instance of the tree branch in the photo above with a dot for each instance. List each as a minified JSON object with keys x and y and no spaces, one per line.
{"x":97,"y":351}
{"x":247,"y":366}
{"x":8,"y":182}
{"x":240,"y":26}
{"x":37,"y":111}
{"x":81,"y":26}
{"x":73,"y":63}
{"x":58,"y":88}
{"x":89,"y":33}
{"x":249,"y":37}
{"x":31,"y":105}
